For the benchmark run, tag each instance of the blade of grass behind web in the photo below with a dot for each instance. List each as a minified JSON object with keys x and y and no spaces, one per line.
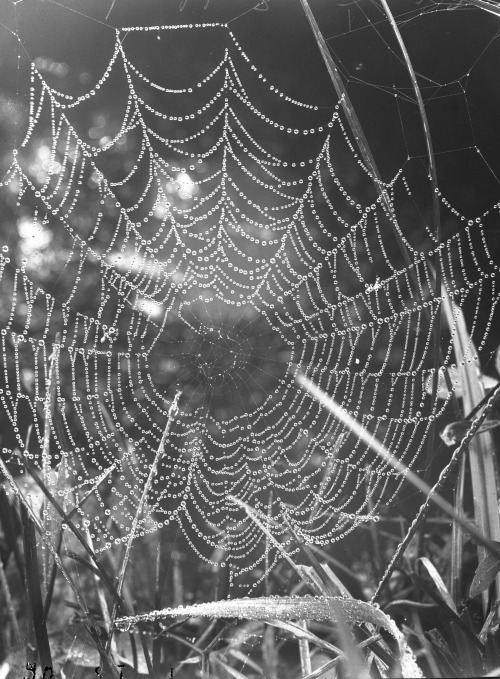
{"x":356,"y":429}
{"x":152,"y":473}
{"x":9,"y":604}
{"x":438,"y":486}
{"x":49,"y":521}
{"x":436,"y":325}
{"x":118,"y":599}
{"x":457,"y":538}
{"x":482,"y":449}
{"x":371,"y":165}
{"x":33,"y":588}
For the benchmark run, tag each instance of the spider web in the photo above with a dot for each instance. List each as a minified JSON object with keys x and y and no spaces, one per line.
{"x":191,"y":256}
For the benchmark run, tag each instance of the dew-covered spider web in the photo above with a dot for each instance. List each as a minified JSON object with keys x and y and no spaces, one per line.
{"x":221,"y":240}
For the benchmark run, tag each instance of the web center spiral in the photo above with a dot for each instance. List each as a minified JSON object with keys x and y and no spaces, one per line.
{"x":217,"y":357}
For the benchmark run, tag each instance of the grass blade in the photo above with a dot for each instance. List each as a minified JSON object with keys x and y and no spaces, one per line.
{"x":482,"y":448}
{"x":488,"y":6}
{"x":48,"y":518}
{"x":436,"y":325}
{"x":370,"y":440}
{"x":279,"y":608}
{"x":485,"y":574}
{"x":370,"y":163}
{"x":11,"y":527}
{"x":33,"y":587}
{"x":457,"y":539}
{"x":443,"y":477}
{"x":4,"y":586}
{"x":152,"y":473}
{"x":326,"y":474}
{"x":304,"y":651}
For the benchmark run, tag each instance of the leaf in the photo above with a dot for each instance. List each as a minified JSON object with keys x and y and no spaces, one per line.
{"x":481,"y":449}
{"x":457,"y":382}
{"x":276,"y":608}
{"x":454,"y":432}
{"x":302,"y":633}
{"x":432,"y":583}
{"x":485,"y":574}
{"x":33,"y":585}
{"x":429,"y":573}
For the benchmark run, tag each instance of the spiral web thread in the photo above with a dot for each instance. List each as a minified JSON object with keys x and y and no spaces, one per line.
{"x":210,"y":266}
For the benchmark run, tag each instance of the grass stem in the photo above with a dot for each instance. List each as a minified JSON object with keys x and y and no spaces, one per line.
{"x":9,"y":604}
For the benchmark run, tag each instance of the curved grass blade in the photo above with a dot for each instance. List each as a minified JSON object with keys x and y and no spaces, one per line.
{"x":485,"y":574}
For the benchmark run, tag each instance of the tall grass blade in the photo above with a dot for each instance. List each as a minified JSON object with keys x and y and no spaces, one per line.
{"x":443,"y":477}
{"x":304,"y":651}
{"x":99,"y":589}
{"x":429,"y":571}
{"x":33,"y":582}
{"x":11,"y":613}
{"x":65,"y":517}
{"x":303,"y":634}
{"x":353,"y":665}
{"x":269,"y":652}
{"x":326,"y":474}
{"x":120,"y":602}
{"x":436,"y":326}
{"x":157,"y":600}
{"x":457,"y":538}
{"x":369,"y":439}
{"x":11,"y":528}
{"x":276,"y":608}
{"x":228,"y":669}
{"x":49,"y":407}
{"x":261,"y":523}
{"x":328,"y":588}
{"x":152,"y":473}
{"x":369,"y":161}
{"x":482,"y":449}
{"x":282,"y":609}
{"x":267,"y":547}
{"x":48,"y":413}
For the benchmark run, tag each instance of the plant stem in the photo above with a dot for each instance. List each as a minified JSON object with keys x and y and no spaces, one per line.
{"x":16,"y":633}
{"x":378,"y":448}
